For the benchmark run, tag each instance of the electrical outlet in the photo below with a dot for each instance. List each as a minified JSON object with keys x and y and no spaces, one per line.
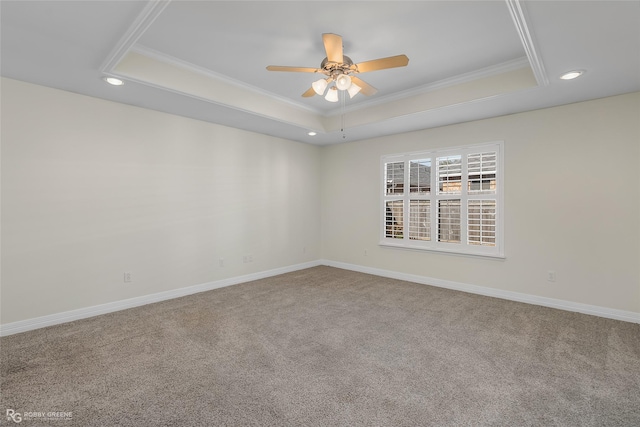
{"x":221,"y":262}
{"x":365,"y":252}
{"x":247,"y":258}
{"x":551,"y":276}
{"x":128,"y":278}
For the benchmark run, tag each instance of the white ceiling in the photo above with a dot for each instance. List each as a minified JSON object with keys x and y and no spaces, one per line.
{"x":206,"y":59}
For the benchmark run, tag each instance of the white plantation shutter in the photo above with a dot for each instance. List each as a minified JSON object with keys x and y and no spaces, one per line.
{"x":394,"y":208}
{"x":420,"y":220}
{"x":482,"y":172}
{"x":481,"y":222}
{"x":394,"y":177}
{"x":419,"y":204}
{"x":449,"y":221}
{"x":463,"y":211}
{"x":394,"y":219}
{"x":420,"y":176}
{"x":449,"y":174}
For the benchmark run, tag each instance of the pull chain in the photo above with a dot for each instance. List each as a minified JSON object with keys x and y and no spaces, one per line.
{"x":343,"y":100}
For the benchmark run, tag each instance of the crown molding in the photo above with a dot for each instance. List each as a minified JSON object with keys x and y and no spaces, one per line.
{"x":153,"y":72}
{"x":163,"y":57}
{"x":519,"y":17}
{"x":143,"y":21}
{"x":492,"y":70}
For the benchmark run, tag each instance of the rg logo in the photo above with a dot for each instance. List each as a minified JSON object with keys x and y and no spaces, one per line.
{"x":14,"y":416}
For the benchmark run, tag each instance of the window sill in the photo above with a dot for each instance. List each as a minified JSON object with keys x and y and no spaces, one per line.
{"x":420,"y":248}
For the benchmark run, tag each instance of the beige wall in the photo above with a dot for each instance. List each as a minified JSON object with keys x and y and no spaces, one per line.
{"x":92,"y":189}
{"x":572,"y":203}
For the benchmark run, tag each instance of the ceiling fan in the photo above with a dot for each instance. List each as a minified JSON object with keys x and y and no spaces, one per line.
{"x":340,"y":69}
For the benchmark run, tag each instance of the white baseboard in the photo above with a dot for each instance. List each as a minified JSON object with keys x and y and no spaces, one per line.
{"x":594,"y":310}
{"x":83,"y":313}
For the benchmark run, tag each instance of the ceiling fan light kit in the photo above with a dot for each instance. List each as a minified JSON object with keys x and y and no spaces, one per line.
{"x":320,"y":86}
{"x":353,"y":90}
{"x":340,"y":69}
{"x":343,"y":82}
{"x":332,"y":94}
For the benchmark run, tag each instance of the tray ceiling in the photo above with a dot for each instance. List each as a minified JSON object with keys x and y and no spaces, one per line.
{"x":207,"y":59}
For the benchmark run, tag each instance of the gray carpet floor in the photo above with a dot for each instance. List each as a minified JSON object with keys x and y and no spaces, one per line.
{"x":328,"y":347}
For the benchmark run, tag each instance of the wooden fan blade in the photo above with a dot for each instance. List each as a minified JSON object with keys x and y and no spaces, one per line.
{"x":365,"y":88}
{"x":293,"y":69}
{"x":383,"y":63}
{"x":309,"y":93}
{"x":333,"y":47}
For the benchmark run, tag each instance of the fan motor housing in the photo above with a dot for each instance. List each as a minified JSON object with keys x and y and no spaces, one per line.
{"x":332,"y":68}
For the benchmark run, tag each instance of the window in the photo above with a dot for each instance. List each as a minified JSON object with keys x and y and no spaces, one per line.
{"x":461,"y":212}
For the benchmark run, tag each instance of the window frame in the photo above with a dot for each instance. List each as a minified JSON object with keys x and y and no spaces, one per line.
{"x":434,"y":197}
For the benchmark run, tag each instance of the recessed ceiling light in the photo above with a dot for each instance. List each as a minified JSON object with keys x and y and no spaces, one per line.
{"x":312,"y":133}
{"x":113,"y":81}
{"x":572,"y":75}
